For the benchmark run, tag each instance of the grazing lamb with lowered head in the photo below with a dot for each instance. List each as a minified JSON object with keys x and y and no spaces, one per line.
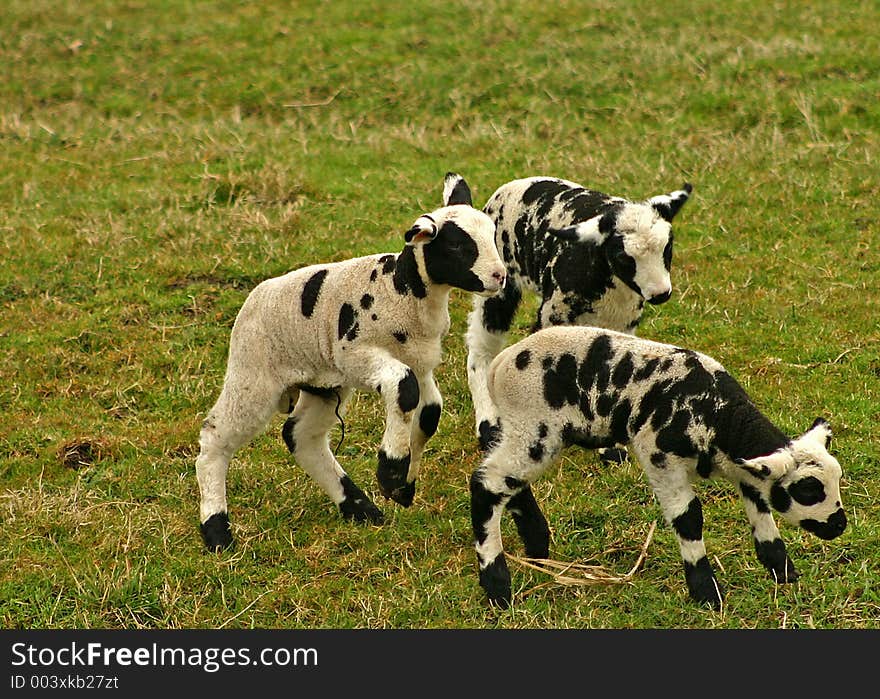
{"x":302,"y":342}
{"x":684,"y":418}
{"x":594,"y":259}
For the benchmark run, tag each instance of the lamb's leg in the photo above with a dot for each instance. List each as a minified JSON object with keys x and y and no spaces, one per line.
{"x":306,"y":435}
{"x":681,"y":508}
{"x":488,"y":325}
{"x":399,"y":388}
{"x":241,"y":412}
{"x":530,"y":523}
{"x":489,"y":496}
{"x":768,"y":543}
{"x":426,"y":421}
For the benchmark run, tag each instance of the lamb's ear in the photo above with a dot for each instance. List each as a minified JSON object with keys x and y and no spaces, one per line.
{"x":820,"y":431}
{"x":456,"y":190}
{"x":594,"y":230}
{"x":667,"y":205}
{"x":773,"y":466}
{"x":424,"y":230}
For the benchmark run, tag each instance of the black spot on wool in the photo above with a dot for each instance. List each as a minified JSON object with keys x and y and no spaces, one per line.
{"x":536,"y":451}
{"x":779,"y":498}
{"x":673,"y":438}
{"x":389,"y":263}
{"x":408,"y":392}
{"x":311,"y":289}
{"x":753,"y":495}
{"x":807,"y":491}
{"x":400,"y":336}
{"x":366,"y":301}
{"x":647,"y":369}
{"x":595,"y":369}
{"x":689,"y":524}
{"x":407,"y":279}
{"x":523,"y":359}
{"x":560,"y":385}
{"x":429,"y":418}
{"x":482,"y":503}
{"x":498,"y":311}
{"x":347,"y":317}
{"x":450,"y":258}
{"x":573,"y":436}
{"x":620,"y":422}
{"x":623,"y":372}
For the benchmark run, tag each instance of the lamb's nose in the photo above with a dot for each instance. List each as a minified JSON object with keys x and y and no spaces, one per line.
{"x":499,"y":277}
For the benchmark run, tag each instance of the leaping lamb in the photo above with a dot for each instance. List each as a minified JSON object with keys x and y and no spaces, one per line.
{"x":303,"y":342}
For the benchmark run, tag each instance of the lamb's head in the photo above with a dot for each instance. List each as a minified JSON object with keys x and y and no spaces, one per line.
{"x":636,"y":238}
{"x":804,"y":482}
{"x":458,"y":243}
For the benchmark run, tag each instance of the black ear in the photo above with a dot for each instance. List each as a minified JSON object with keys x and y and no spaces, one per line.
{"x":456,"y":190}
{"x":668,"y":205}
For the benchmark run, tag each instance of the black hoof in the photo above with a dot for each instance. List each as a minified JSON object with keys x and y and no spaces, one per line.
{"x":216,"y":532}
{"x":613,"y":455}
{"x":391,"y":475}
{"x":702,"y":584}
{"x":361,"y":511}
{"x":357,"y":506}
{"x":495,"y":580}
{"x":489,"y":435}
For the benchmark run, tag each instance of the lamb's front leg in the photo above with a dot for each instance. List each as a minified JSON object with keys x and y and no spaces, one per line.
{"x":768,"y":544}
{"x":668,"y":475}
{"x":399,"y":388}
{"x":424,"y":425}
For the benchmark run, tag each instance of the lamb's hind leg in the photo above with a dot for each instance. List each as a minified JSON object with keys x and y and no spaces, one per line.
{"x":240,"y":413}
{"x":305,"y":433}
{"x":488,"y":325}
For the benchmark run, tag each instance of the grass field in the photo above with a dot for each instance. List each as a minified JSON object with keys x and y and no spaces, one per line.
{"x":159,"y":159}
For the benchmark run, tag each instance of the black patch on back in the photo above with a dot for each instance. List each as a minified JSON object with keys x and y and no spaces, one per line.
{"x":450,"y":258}
{"x":408,"y":392}
{"x":366,"y":301}
{"x":310,"y":292}
{"x":560,"y":384}
{"x":741,"y":430}
{"x":689,"y":524}
{"x":348,"y":326}
{"x":595,"y":370}
{"x":623,"y":372}
{"x":646,"y":369}
{"x":523,"y":359}
{"x":389,"y":263}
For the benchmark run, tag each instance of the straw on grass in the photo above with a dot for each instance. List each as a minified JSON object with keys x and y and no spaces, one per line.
{"x":581,"y":574}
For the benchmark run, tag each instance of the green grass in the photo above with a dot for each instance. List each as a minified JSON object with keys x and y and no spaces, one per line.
{"x":157,"y":160}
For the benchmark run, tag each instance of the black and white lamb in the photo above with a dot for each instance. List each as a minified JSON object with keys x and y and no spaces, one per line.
{"x":302,"y":342}
{"x":593,"y":258}
{"x":684,"y":418}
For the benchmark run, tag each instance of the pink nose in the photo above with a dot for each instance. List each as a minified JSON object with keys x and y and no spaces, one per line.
{"x":499,"y":277}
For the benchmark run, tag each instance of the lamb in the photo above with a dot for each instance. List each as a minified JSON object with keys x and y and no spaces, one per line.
{"x":594,"y":259}
{"x":304,"y":341}
{"x":684,"y":418}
